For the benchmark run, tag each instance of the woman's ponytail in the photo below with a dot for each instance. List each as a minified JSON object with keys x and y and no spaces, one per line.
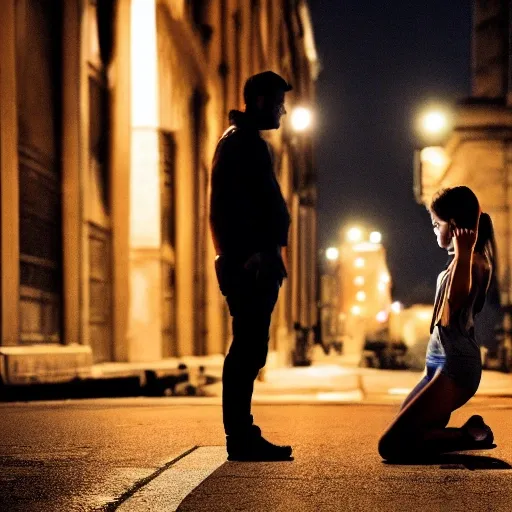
{"x":486,"y":243}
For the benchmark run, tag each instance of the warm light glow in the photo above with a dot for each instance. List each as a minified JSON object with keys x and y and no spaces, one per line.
{"x":301,"y":119}
{"x":354,"y":235}
{"x":361,"y":296}
{"x":366,"y":247}
{"x":144,"y":64}
{"x":359,"y":262}
{"x":399,"y":391}
{"x":384,"y":278}
{"x":396,"y":307}
{"x":381,"y":317}
{"x":434,"y":155}
{"x":434,"y":122}
{"x":423,"y":315}
{"x":145,"y":171}
{"x":375,"y":237}
{"x":359,"y":281}
{"x":382,"y":287}
{"x":332,"y":254}
{"x":356,"y":310}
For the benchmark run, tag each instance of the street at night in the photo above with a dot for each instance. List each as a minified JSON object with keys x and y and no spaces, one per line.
{"x":101,"y":454}
{"x":255,"y":256}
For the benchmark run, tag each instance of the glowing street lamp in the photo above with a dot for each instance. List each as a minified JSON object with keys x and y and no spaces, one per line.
{"x":375,"y":237}
{"x":301,"y":119}
{"x":361,"y":296}
{"x":354,"y":235}
{"x":332,"y":254}
{"x":355,"y":310}
{"x":384,"y":278}
{"x":396,"y":307}
{"x":434,"y":122}
{"x":381,"y":317}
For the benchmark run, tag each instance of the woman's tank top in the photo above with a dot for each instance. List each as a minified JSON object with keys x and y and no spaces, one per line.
{"x":453,"y":334}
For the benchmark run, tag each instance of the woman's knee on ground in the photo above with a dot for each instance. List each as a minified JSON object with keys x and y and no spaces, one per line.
{"x":393,"y":446}
{"x":388,"y":446}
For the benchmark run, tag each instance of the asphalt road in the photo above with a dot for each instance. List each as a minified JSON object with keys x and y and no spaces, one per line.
{"x":125,"y":453}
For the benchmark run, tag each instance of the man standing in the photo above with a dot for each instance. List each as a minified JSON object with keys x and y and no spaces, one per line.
{"x":249,"y":221}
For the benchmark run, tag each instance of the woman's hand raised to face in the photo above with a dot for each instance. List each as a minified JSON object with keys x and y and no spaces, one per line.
{"x":464,"y":241}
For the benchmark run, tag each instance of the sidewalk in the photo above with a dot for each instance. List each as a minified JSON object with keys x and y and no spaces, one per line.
{"x":329,"y":379}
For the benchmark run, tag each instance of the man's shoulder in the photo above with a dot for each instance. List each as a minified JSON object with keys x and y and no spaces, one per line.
{"x":237,"y":139}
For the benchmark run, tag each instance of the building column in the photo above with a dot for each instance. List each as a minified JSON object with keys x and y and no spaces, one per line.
{"x":71,"y":186}
{"x":145,"y":266}
{"x":120,"y":179}
{"x":9,"y":179}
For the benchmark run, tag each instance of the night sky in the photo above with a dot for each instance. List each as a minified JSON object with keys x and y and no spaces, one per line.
{"x":381,"y":61}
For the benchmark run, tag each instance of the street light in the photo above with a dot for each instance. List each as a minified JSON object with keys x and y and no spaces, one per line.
{"x":354,"y":234}
{"x":396,"y":307}
{"x":301,"y":119}
{"x":434,"y":122}
{"x":375,"y":237}
{"x":355,"y":310}
{"x":385,"y":278}
{"x":361,"y":296}
{"x":332,"y":254}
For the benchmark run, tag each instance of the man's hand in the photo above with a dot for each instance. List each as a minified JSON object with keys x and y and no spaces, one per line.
{"x":264,"y":262}
{"x":254,"y":262}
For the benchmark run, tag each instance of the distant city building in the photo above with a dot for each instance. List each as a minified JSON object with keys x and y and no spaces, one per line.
{"x":109,"y":115}
{"x":477,"y":152}
{"x":356,"y":292}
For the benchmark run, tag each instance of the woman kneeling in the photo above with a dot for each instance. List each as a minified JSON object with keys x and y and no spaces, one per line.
{"x":453,"y":362}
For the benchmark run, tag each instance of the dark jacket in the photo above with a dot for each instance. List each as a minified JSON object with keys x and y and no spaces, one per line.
{"x":248,"y":213}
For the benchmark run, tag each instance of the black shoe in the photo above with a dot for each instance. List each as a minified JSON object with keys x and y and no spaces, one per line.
{"x":253,"y":447}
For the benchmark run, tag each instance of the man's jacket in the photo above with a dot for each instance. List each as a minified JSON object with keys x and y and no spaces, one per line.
{"x":248,"y":213}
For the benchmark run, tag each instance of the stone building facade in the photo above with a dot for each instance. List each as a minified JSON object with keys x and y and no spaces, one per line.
{"x":110,"y":111}
{"x":478,"y":150}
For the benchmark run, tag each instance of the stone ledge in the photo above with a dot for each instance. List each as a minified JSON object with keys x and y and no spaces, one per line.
{"x":41,"y":364}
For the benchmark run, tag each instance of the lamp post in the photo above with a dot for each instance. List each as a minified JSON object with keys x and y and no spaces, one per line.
{"x":432,"y":126}
{"x":300,"y":124}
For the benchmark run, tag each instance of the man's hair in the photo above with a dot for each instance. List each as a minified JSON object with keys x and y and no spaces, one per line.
{"x":265,"y":84}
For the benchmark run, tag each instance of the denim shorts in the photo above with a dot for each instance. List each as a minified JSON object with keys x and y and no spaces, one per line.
{"x":455,"y":354}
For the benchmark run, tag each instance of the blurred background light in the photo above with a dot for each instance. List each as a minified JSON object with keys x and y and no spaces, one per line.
{"x":332,"y":254}
{"x":375,"y":237}
{"x":301,"y":119}
{"x":359,"y":262}
{"x":354,"y":235}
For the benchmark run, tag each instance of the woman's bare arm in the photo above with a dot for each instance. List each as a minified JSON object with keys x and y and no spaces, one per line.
{"x":461,"y":281}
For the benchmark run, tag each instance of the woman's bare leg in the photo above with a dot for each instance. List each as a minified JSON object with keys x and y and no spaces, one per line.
{"x":421,"y":424}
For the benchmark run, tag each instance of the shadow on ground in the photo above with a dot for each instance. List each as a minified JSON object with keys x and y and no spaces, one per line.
{"x":456,"y":461}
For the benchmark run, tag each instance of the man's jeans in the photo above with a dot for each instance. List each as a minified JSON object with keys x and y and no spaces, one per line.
{"x":251,"y":297}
